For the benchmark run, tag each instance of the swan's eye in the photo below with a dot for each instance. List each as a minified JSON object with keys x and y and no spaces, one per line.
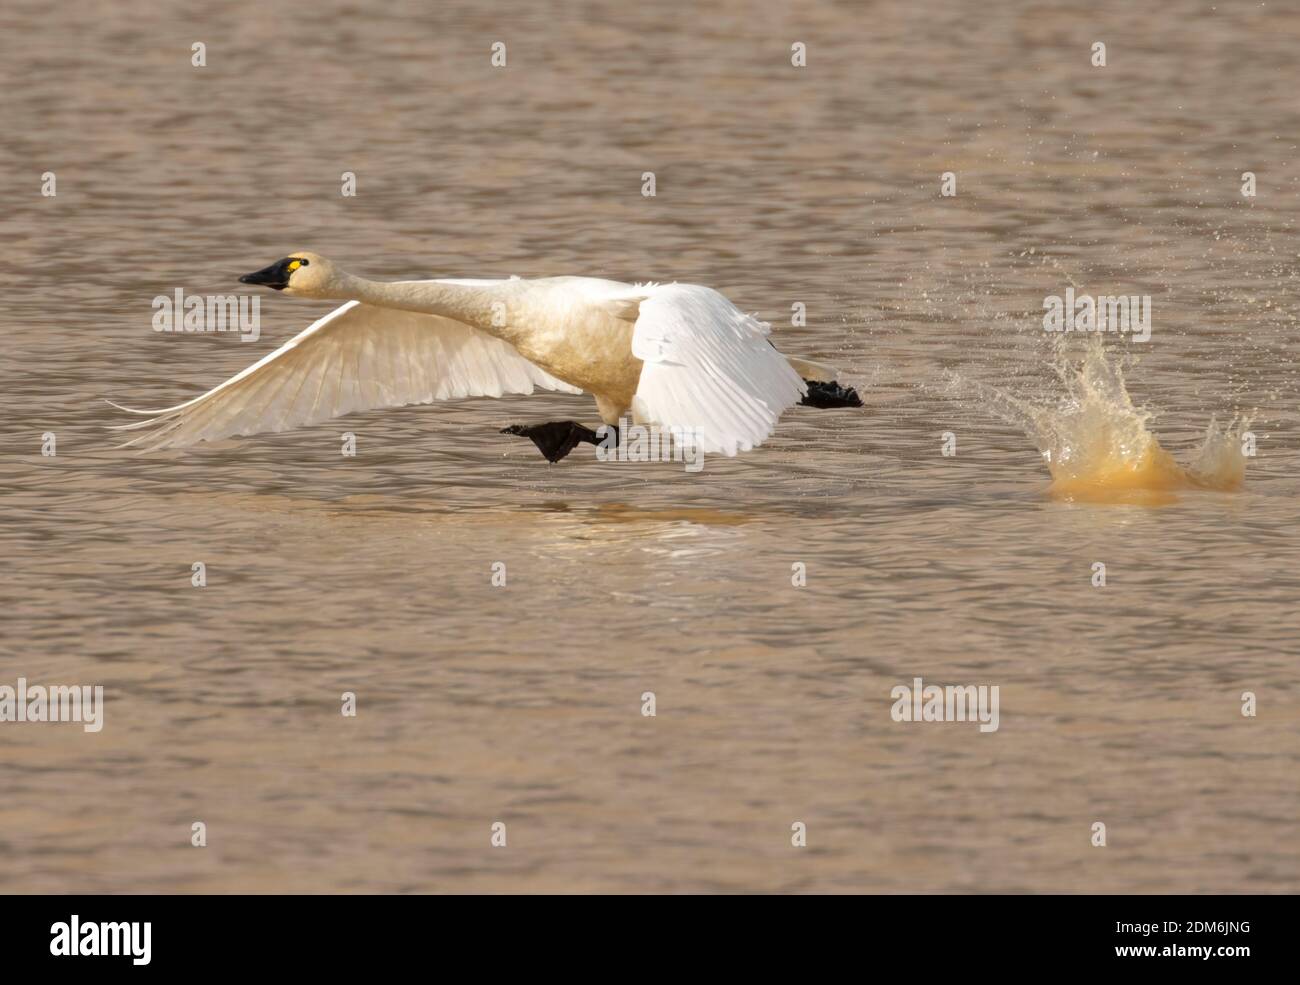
{"x":295,"y":263}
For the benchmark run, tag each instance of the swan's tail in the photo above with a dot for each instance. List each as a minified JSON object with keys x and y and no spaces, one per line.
{"x":809,"y":370}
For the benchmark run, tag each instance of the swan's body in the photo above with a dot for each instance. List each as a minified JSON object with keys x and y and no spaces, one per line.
{"x":675,"y":355}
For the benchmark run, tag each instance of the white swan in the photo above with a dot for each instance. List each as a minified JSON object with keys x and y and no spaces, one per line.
{"x":673,"y":355}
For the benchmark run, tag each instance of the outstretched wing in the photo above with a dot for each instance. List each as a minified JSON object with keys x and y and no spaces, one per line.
{"x":709,"y":368}
{"x":358,"y":357}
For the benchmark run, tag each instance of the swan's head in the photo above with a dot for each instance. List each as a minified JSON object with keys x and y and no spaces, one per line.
{"x":303,"y":274}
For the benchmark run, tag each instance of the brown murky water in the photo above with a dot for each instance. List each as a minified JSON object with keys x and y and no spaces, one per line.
{"x":477,"y":704}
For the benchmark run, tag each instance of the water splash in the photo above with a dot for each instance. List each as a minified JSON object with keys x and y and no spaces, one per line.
{"x":1098,"y":446}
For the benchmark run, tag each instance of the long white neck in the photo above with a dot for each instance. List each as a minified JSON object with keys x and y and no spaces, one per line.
{"x":482,"y":307}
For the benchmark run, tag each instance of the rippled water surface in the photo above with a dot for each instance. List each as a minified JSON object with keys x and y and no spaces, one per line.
{"x":477,"y":704}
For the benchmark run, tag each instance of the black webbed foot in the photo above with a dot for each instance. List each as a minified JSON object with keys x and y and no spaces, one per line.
{"x":831,"y":394}
{"x":556,"y":438}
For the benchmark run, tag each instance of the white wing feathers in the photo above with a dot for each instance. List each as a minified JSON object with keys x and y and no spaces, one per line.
{"x":358,"y":357}
{"x":709,"y":368}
